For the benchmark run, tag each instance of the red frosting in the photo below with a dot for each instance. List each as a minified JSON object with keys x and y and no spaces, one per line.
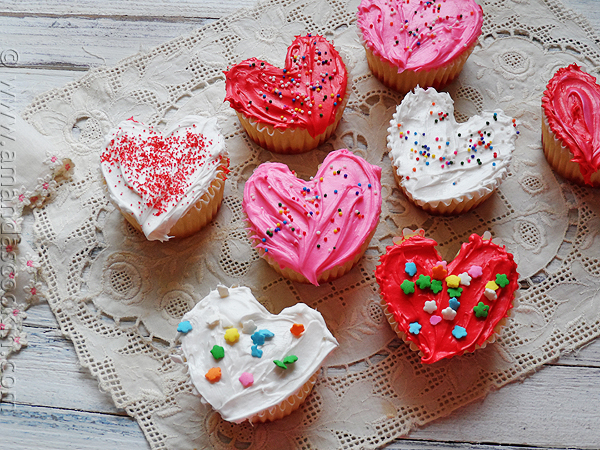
{"x":306,"y":93}
{"x":435,"y":337}
{"x":571,"y":103}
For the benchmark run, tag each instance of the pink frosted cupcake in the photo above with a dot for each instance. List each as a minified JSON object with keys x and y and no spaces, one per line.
{"x":418,"y":43}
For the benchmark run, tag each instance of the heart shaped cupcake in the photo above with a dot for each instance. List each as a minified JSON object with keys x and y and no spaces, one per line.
{"x":424,"y":43}
{"x":294,"y":109}
{"x":314,"y":230}
{"x":247,"y":363}
{"x":442,"y":166}
{"x":446,"y":309}
{"x":571,"y":125}
{"x":166,"y":184}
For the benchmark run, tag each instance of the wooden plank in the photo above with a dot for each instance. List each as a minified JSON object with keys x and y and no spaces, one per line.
{"x":130,"y":9}
{"x":31,"y":427}
{"x":80,"y":43}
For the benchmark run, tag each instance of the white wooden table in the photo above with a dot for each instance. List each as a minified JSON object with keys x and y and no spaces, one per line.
{"x":58,"y":404}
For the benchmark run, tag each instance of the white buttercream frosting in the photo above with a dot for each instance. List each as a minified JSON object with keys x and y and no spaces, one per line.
{"x":272,"y":384}
{"x":136,"y":156}
{"x":433,"y":155}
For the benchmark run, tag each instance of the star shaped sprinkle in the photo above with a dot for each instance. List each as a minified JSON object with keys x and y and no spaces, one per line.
{"x":218,"y":352}
{"x":491,"y":285}
{"x":481,"y":310}
{"x":259,"y":336}
{"x":410,"y":268}
{"x":256,"y":352}
{"x":436,"y":286}
{"x":448,"y":313}
{"x":454,"y":303}
{"x":414,"y":328}
{"x":475,"y":271}
{"x":213,"y":375}
{"x":297,"y":329}
{"x":434,"y":320}
{"x":501,"y":280}
{"x":408,"y":287}
{"x":184,"y":327}
{"x":291,"y":359}
{"x":465,"y":279}
{"x":424,"y":281}
{"x":459,"y":332}
{"x":430,"y":306}
{"x":455,"y":292}
{"x":453,"y":281}
{"x":439,"y":272}
{"x":490,"y":294}
{"x":232,"y":335}
{"x":247,"y":379}
{"x":248,"y":327}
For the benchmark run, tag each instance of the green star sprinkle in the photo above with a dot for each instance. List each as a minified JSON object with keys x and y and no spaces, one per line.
{"x":408,"y":287}
{"x":280,"y":364}
{"x":291,"y":359}
{"x":501,"y":280}
{"x":218,"y":352}
{"x":424,"y":281}
{"x":481,"y":310}
{"x":455,"y":292}
{"x":436,"y":286}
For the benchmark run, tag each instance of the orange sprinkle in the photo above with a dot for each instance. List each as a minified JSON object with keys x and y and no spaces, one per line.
{"x":213,"y":375}
{"x":297,"y":329}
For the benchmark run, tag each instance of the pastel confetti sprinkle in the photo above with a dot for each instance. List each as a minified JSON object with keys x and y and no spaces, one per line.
{"x":459,"y":332}
{"x":453,"y":281}
{"x":291,"y":359}
{"x":430,"y":307}
{"x":184,"y":327}
{"x":256,"y":352}
{"x":247,"y":379}
{"x":248,"y":327}
{"x":455,"y":292}
{"x":410,"y":268}
{"x":414,"y":328}
{"x":439,"y":272}
{"x":213,"y":375}
{"x":408,"y":287}
{"x":492,"y":285}
{"x":501,"y":280}
{"x":434,"y":320}
{"x":454,"y":303}
{"x":465,"y":279}
{"x":232,"y":335}
{"x":297,"y":329}
{"x":218,"y":352}
{"x":424,"y":281}
{"x":481,"y":310}
{"x":490,"y":294}
{"x":475,"y":271}
{"x":448,"y":313}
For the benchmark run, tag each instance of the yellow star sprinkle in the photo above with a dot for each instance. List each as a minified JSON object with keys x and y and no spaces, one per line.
{"x":491,"y":285}
{"x":232,"y":335}
{"x":453,"y":281}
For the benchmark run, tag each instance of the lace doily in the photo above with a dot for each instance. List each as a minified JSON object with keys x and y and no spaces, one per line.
{"x":119,"y":297}
{"x":31,"y":171}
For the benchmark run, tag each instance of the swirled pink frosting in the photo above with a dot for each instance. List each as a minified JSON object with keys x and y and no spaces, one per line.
{"x":419,"y":35}
{"x":314,"y":226}
{"x":571,"y":103}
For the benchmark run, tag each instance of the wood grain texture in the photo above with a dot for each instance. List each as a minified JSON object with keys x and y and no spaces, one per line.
{"x":55,"y":404}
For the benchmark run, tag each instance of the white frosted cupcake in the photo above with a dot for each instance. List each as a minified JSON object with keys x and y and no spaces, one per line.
{"x":442,"y":166}
{"x":166,"y":184}
{"x":247,"y":363}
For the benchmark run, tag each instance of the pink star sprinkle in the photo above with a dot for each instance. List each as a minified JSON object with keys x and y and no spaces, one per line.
{"x":475,"y":271}
{"x":247,"y":379}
